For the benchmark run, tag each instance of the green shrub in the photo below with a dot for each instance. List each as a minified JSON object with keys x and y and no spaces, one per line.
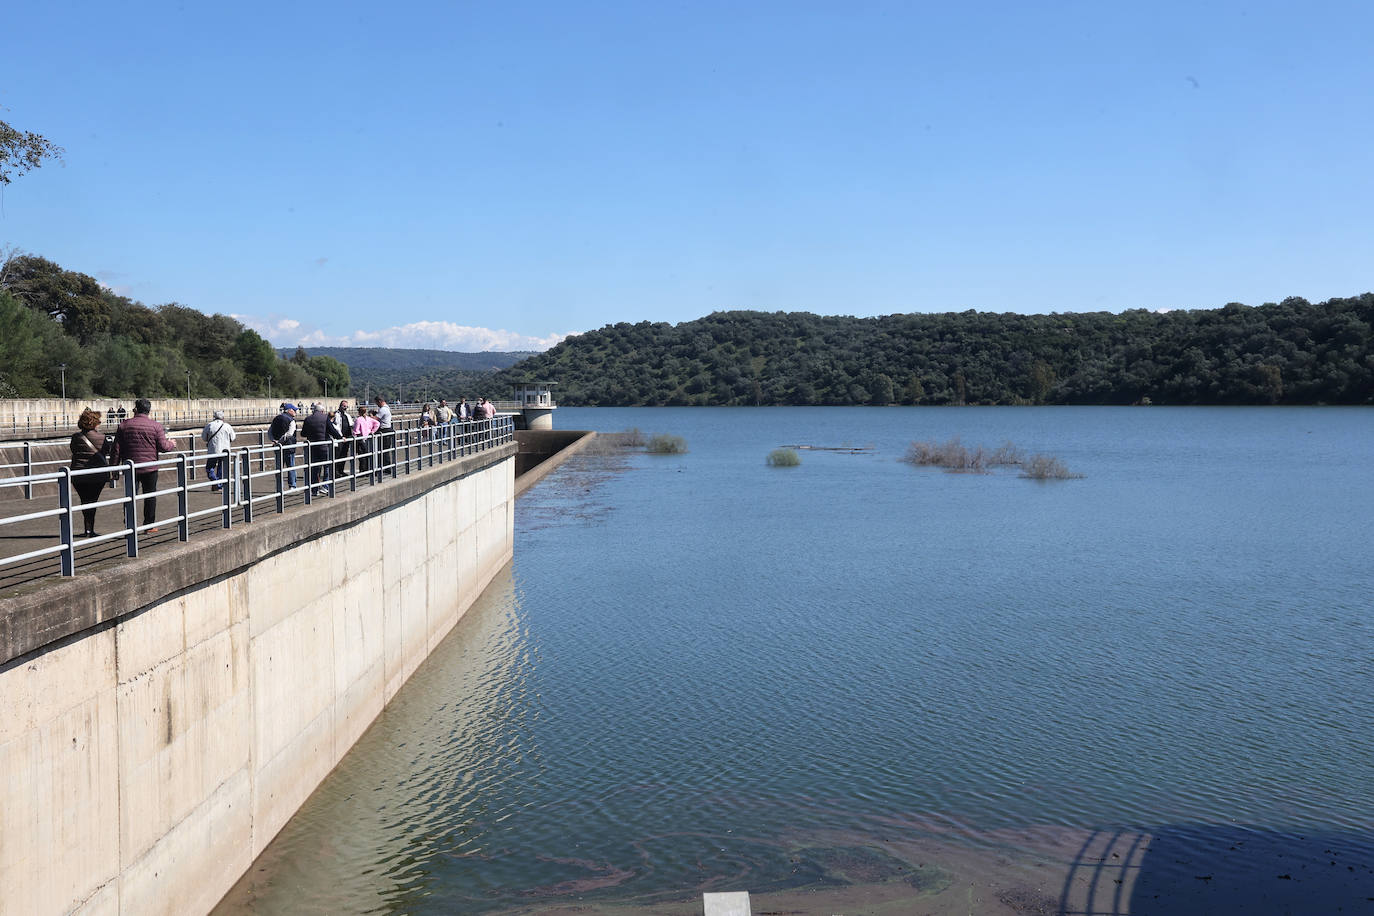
{"x":783,"y":458}
{"x":663,"y":444}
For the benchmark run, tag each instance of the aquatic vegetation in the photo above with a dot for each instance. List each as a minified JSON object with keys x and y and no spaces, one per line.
{"x":783,"y":458}
{"x":1046,"y":467}
{"x":664,"y":444}
{"x":955,"y":456}
{"x":607,"y":443}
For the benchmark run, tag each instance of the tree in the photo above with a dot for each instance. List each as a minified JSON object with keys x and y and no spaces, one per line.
{"x":23,"y":151}
{"x":254,"y":355}
{"x":72,"y":298}
{"x":328,"y":369}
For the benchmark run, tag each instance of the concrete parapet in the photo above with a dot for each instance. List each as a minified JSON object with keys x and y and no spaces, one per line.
{"x":543,"y":450}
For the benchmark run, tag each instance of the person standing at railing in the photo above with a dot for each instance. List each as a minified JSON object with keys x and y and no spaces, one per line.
{"x":386,"y":438}
{"x":443,"y":413}
{"x":318,"y":431}
{"x":141,"y":439}
{"x":342,"y":421}
{"x":217,"y":435}
{"x":464,"y":411}
{"x":88,"y":451}
{"x":283,"y":432}
{"x":363,"y":428}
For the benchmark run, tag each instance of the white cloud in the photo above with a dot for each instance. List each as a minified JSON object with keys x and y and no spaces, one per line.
{"x":426,"y":335}
{"x":117,"y":289}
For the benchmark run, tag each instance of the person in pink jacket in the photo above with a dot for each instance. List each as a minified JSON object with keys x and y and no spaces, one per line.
{"x":363,"y":428}
{"x":141,"y":439}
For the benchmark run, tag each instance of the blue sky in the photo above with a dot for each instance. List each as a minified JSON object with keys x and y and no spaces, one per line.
{"x":496,"y":175}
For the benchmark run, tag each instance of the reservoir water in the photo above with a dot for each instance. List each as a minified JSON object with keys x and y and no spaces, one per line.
{"x":860,"y":686}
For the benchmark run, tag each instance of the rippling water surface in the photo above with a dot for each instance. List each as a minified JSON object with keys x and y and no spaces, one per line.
{"x":702,"y":673}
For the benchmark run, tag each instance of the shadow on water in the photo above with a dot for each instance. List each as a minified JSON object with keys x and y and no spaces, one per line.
{"x":1182,"y":870}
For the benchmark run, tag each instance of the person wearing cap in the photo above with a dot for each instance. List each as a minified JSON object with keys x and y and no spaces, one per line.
{"x":217,"y":435}
{"x":283,"y":432}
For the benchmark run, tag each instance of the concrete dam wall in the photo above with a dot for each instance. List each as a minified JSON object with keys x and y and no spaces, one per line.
{"x":160,"y":723}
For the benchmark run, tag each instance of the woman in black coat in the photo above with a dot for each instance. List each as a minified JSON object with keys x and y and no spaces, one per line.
{"x":88,"y":451}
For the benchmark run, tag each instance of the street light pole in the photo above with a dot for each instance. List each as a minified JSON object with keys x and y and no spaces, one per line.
{"x":63,"y":367}
{"x":269,"y":388}
{"x":188,"y":391}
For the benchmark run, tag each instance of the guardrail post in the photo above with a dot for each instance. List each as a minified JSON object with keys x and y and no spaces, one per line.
{"x":407,"y":434}
{"x":64,"y":499}
{"x":262,"y":455}
{"x":333,"y":470}
{"x":246,"y":487}
{"x":191,"y":438}
{"x":309,"y":473}
{"x":227,"y":487}
{"x":183,"y":499}
{"x":281,"y":478}
{"x":28,"y":469}
{"x":130,"y":510}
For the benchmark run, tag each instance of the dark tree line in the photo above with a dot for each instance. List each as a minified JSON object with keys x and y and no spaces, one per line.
{"x":1291,"y":352}
{"x":114,"y":347}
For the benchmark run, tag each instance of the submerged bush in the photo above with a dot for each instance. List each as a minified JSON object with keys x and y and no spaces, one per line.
{"x":662,"y":444}
{"x":1047,"y":467}
{"x":955,"y":456}
{"x":952,"y":454}
{"x":783,"y":458}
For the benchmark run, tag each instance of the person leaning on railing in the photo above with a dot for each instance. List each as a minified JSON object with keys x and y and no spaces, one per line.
{"x":141,"y":439}
{"x":218,"y":436}
{"x":88,"y":451}
{"x":386,"y":438}
{"x":363,"y":427}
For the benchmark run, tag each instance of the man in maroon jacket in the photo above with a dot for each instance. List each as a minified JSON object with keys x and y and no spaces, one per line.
{"x":140,"y":439}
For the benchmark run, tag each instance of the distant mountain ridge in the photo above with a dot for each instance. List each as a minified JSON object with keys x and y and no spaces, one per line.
{"x":391,"y":358}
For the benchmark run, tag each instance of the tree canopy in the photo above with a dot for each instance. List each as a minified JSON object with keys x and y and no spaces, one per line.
{"x":23,"y":151}
{"x":115,"y":347}
{"x":1291,"y":352}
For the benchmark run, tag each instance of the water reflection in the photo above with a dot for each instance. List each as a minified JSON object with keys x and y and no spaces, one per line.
{"x":414,"y":791}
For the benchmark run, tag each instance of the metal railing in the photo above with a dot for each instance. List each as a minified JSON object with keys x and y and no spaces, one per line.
{"x":32,"y":464}
{"x":54,"y":424}
{"x":257,"y":476}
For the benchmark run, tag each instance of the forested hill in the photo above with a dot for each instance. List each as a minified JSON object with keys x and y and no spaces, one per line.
{"x":1292,"y":352}
{"x":407,"y":374}
{"x":399,"y":358}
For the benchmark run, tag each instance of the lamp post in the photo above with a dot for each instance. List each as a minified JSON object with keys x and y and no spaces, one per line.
{"x":188,"y":391}
{"x":326,"y":388}
{"x":63,"y":367}
{"x":269,"y":388}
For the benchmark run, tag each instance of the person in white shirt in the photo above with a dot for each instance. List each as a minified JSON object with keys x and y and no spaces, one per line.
{"x":217,"y":435}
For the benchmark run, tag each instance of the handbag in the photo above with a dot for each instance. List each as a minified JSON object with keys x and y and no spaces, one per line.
{"x":97,"y":460}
